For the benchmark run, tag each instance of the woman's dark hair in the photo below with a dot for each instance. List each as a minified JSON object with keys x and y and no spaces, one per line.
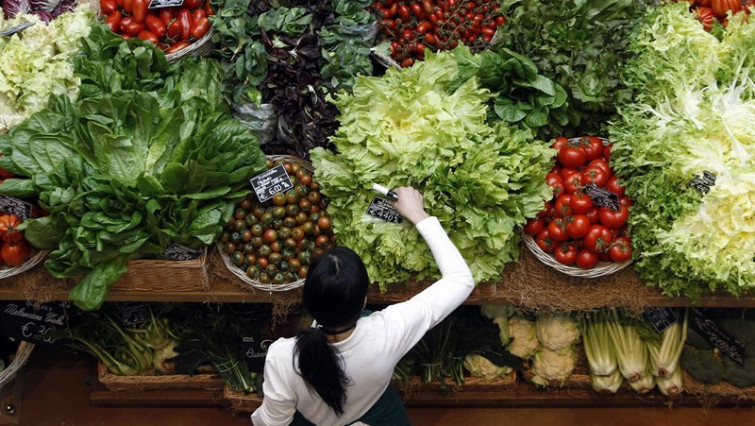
{"x":334,"y":295}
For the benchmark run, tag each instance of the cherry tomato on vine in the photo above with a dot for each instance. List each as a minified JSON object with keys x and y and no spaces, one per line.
{"x":557,"y":230}
{"x":614,"y":220}
{"x":587,"y":259}
{"x":533,"y":227}
{"x":571,"y":156}
{"x":578,"y":226}
{"x":545,"y":242}
{"x":621,"y":250}
{"x":566,"y":254}
{"x":580,"y":203}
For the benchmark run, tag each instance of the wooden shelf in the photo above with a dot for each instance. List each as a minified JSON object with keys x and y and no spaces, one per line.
{"x":527,"y":283}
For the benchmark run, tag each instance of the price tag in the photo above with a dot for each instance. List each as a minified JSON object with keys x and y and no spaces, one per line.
{"x":134,"y":313}
{"x":703,"y":183}
{"x":24,"y":321}
{"x":159,"y":4}
{"x":603,"y":197}
{"x":18,"y":28}
{"x":10,"y":205}
{"x":255,"y":351}
{"x":382,"y":208}
{"x":271,"y":182}
{"x":179,"y":253}
{"x":660,"y":318}
{"x":718,"y":337}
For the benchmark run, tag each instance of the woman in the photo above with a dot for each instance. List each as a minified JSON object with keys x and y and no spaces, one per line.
{"x":338,"y":372}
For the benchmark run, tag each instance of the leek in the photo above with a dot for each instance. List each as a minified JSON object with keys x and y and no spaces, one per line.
{"x":606,"y":384}
{"x":631,"y":352}
{"x":601,"y":354}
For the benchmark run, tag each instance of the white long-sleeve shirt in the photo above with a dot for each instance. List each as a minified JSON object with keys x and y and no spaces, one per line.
{"x":372,"y":351}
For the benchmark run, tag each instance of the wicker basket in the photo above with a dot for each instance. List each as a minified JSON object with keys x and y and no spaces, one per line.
{"x":165,"y":275}
{"x":114,"y":382}
{"x":240,"y":401}
{"x":201,"y":47}
{"x":600,"y":270}
{"x":507,"y":383}
{"x":22,"y":355}
{"x":240,"y":274}
{"x":30,"y":263}
{"x":574,"y":381}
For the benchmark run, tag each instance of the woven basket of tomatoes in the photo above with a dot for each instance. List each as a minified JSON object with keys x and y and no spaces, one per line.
{"x":412,"y":27}
{"x":582,"y":231}
{"x":710,"y":12}
{"x":16,"y":253}
{"x":179,"y":31}
{"x":269,"y":245}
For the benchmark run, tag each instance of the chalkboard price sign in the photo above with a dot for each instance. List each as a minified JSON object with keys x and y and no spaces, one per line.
{"x":271,"y":182}
{"x":382,"y":208}
{"x":14,"y":206}
{"x":255,"y":351}
{"x":180,"y":253}
{"x":718,"y":337}
{"x":159,"y":4}
{"x":22,"y":320}
{"x":603,"y":197}
{"x":660,"y":318}
{"x":134,"y":313}
{"x":703,"y":183}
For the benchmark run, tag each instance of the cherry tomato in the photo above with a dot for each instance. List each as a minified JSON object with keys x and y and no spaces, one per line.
{"x":571,"y":156}
{"x":424,"y":27}
{"x":191,"y":4}
{"x":404,"y":12}
{"x":407,"y":62}
{"x":166,"y":15}
{"x":131,"y":27}
{"x":148,"y":36}
{"x":184,"y":16}
{"x":140,"y":10}
{"x":208,"y":8}
{"x":614,"y":220}
{"x":431,"y":39}
{"x":587,"y":259}
{"x":563,"y":205}
{"x":197,"y":15}
{"x":128,"y":6}
{"x":595,"y":176}
{"x":500,"y":20}
{"x":598,"y":239}
{"x":544,"y":241}
{"x":175,"y":29}
{"x":621,"y":250}
{"x":613,"y":186}
{"x":578,"y":226}
{"x":175,"y":47}
{"x":107,"y":6}
{"x":565,"y":254}
{"x":417,"y":10}
{"x":114,"y":21}
{"x":557,"y":230}
{"x":580,"y":203}
{"x":533,"y":227}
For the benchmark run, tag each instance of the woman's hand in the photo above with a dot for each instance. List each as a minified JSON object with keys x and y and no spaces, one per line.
{"x":409,"y":204}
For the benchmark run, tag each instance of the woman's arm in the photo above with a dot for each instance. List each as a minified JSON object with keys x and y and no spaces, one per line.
{"x":407,"y":322}
{"x":279,"y":402}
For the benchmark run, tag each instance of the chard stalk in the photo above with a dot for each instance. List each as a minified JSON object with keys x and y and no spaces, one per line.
{"x":671,"y":348}
{"x":606,"y":384}
{"x":601,"y":354}
{"x":644,"y":384}
{"x":672,"y":384}
{"x":631,"y":352}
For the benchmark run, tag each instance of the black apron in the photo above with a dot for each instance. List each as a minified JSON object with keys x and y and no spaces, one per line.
{"x":387,"y":411}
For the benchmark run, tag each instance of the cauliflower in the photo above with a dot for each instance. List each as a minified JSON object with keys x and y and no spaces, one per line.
{"x":549,"y":365}
{"x":557,"y":331}
{"x":479,"y":366}
{"x":524,"y":341}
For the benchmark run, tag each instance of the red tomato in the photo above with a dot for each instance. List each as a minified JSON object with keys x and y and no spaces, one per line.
{"x":626,"y":201}
{"x":544,"y":241}
{"x":601,"y":164}
{"x":184,"y":17}
{"x":566,"y":254}
{"x":571,"y":156}
{"x":552,"y":178}
{"x":417,"y":10}
{"x":166,"y":15}
{"x":545,"y":210}
{"x":430,"y":39}
{"x":578,"y":226}
{"x":607,"y":151}
{"x":128,"y":6}
{"x":191,"y":4}
{"x":175,"y":47}
{"x":148,"y":36}
{"x":560,"y":142}
{"x":197,"y":15}
{"x":595,"y":176}
{"x":500,"y":20}
{"x":107,"y":7}
{"x":208,"y":8}
{"x":404,"y":12}
{"x":533,"y":227}
{"x":563,"y":205}
{"x":566,"y":172}
{"x":174,"y":30}
{"x":155,"y":25}
{"x":131,"y":27}
{"x":406,"y":63}
{"x":114,"y":21}
{"x":424,"y":27}
{"x":621,"y":250}
{"x":200,"y":28}
{"x":593,"y":215}
{"x":587,"y":259}
{"x":574,"y":182}
{"x":580,"y":203}
{"x":614,"y":220}
{"x":592,"y":146}
{"x":557,"y":230}
{"x":613,"y":186}
{"x":15,"y":254}
{"x":558,"y":189}
{"x":722,"y":7}
{"x":598,"y":239}
{"x":140,"y":10}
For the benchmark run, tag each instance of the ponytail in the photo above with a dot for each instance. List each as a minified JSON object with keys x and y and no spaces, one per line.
{"x":334,"y":293}
{"x":320,"y":366}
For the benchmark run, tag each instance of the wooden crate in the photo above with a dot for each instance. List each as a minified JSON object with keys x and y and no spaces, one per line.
{"x":114,"y":382}
{"x":151,"y":275}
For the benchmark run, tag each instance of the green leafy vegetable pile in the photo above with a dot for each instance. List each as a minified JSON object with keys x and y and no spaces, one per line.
{"x":37,"y":62}
{"x":693,"y":113}
{"x":579,"y":44}
{"x":426,"y":126}
{"x":125,"y":173}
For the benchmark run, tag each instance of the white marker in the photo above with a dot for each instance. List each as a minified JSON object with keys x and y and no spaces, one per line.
{"x":385,"y":191}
